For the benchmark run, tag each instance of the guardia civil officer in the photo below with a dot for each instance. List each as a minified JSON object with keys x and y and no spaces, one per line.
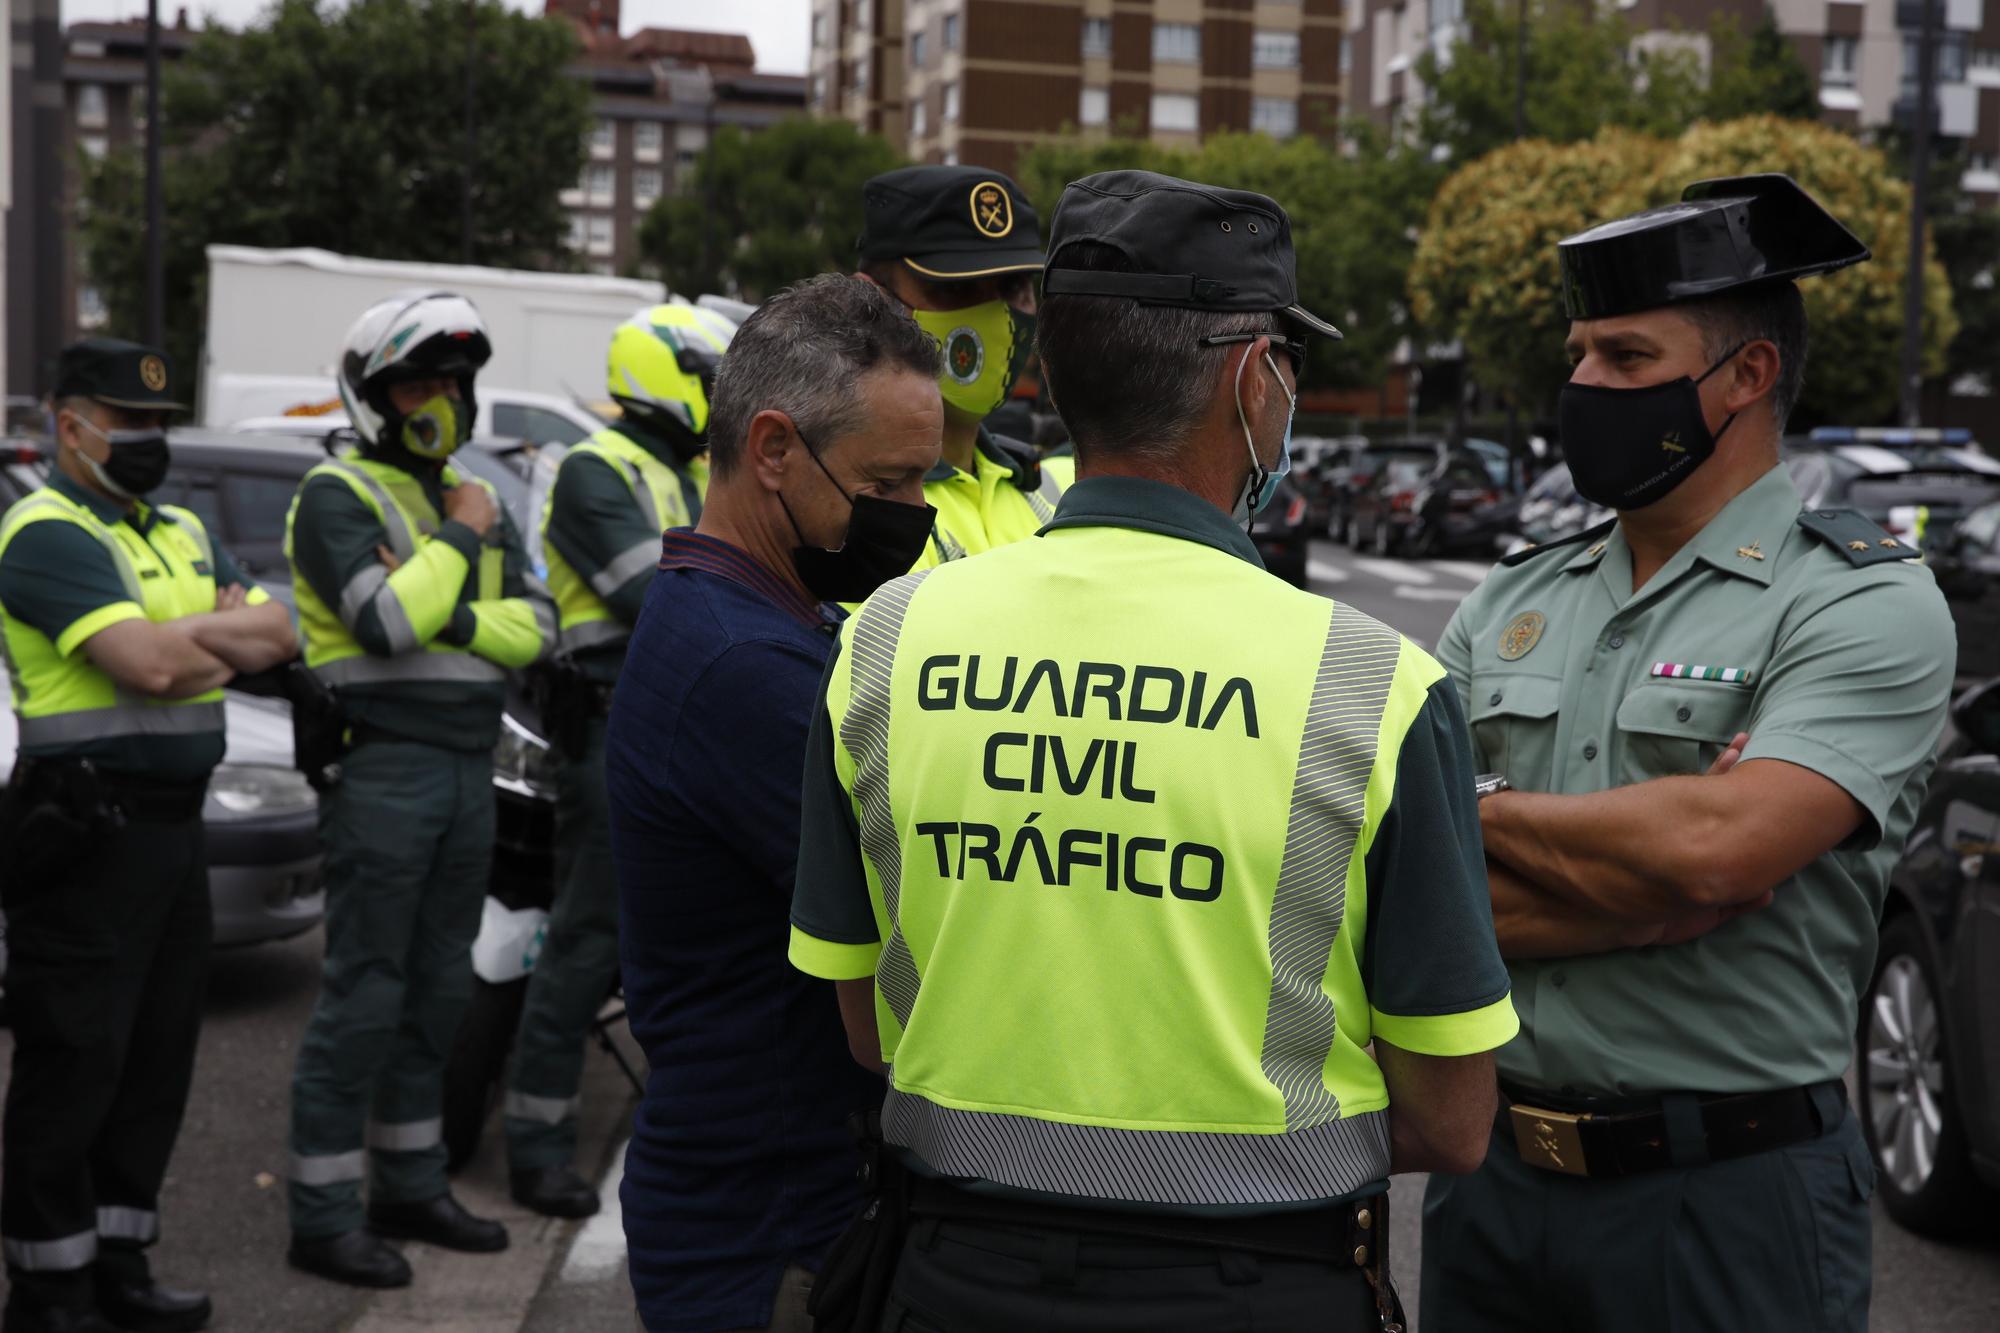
{"x":601,"y":524}
{"x":960,"y":247}
{"x":1123,"y":851}
{"x":415,"y":595}
{"x":1688,"y":913}
{"x":122,"y":621}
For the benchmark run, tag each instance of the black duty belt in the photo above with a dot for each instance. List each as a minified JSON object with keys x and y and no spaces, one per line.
{"x":1343,"y":1234}
{"x":1607,"y":1139}
{"x":152,"y":801}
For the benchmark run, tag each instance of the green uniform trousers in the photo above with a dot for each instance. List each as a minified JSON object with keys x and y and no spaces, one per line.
{"x":107,"y":963}
{"x":573,"y":975}
{"x":408,"y":834}
{"x":1777,"y":1241}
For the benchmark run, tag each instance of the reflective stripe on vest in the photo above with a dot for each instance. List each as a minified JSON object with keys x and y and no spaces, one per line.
{"x":586,"y":620}
{"x":125,"y":719}
{"x":1044,"y":497}
{"x":368,"y":669}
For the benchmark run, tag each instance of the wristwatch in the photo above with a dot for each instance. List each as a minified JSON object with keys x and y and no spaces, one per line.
{"x":1487,"y":783}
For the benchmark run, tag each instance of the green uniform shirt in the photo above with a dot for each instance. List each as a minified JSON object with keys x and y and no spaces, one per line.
{"x":1574,"y":683}
{"x":59,"y":579}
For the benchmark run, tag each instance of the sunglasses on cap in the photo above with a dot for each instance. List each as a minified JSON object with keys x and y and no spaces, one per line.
{"x":1295,"y":348}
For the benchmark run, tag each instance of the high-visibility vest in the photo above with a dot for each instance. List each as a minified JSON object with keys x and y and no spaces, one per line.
{"x":583,"y":618}
{"x":64,"y":701}
{"x":1162,"y":798}
{"x":332,"y":651}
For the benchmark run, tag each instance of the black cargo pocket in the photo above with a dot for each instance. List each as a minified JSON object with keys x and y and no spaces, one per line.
{"x":58,"y":984}
{"x":1837,"y":1178}
{"x":899,"y":1317}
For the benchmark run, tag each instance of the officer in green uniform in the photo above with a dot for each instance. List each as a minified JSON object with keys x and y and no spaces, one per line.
{"x":1717,"y":715}
{"x":122,"y":621}
{"x":961,"y":247}
{"x":415,"y":595}
{"x":1122,"y":851}
{"x":601,"y":525}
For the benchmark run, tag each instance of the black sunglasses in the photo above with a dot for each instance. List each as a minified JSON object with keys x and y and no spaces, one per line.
{"x":1295,"y":348}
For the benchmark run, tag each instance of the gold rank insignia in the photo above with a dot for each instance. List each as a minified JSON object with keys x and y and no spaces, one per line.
{"x":1754,"y":551}
{"x":1596,"y":550}
{"x":1889,"y":542}
{"x":1857,"y":546}
{"x":1523,"y":632}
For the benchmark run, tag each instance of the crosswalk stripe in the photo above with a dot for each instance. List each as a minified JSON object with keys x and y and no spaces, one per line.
{"x":1392,"y":571}
{"x":1318,"y":571}
{"x":1411,"y":594}
{"x":1465,"y":569}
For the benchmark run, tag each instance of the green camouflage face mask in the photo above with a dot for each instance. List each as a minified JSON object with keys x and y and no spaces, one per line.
{"x":984,"y":347}
{"x":436,"y":429}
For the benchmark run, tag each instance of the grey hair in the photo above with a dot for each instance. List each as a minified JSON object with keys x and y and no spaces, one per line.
{"x":803,"y":353}
{"x":1774,"y":314}
{"x":1130,"y":378}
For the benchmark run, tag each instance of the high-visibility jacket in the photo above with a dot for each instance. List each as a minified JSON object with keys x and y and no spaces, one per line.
{"x":1009,"y":495}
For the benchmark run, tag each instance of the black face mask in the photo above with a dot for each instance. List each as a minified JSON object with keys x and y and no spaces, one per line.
{"x":1627,"y":448}
{"x":884,"y":538}
{"x":138,"y":462}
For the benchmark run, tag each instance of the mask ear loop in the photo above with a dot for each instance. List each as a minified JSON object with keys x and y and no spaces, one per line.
{"x":813,"y":454}
{"x":1727,"y":357}
{"x":1258,"y":472}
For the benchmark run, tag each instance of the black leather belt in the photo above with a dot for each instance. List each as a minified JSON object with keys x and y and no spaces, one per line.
{"x":1606,"y":1139}
{"x":151,"y":800}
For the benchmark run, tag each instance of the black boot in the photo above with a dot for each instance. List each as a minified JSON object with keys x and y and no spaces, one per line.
{"x":553,"y":1191}
{"x":27,"y":1314}
{"x":359,"y":1258}
{"x":128,"y":1297}
{"x":442,"y":1221}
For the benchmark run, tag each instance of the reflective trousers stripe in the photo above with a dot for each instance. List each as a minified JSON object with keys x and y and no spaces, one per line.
{"x":140,"y":1224}
{"x":1138,"y":1165}
{"x":52,"y":1256}
{"x":134,"y":719}
{"x":594,"y":633}
{"x":410,"y":1136}
{"x":544,"y":1110}
{"x":329,"y":1169}
{"x":370,"y":670}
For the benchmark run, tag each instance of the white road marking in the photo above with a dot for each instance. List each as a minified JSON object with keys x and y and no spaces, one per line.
{"x":1395,"y":572}
{"x":1318,"y":571}
{"x":1430,"y":594}
{"x":599,"y":1248}
{"x":1465,"y":569}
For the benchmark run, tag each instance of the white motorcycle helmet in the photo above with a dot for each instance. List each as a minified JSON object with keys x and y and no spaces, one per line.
{"x":411,"y":336}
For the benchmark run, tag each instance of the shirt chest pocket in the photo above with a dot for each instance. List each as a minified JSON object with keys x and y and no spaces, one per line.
{"x":1513,"y":721}
{"x":1678,"y":727}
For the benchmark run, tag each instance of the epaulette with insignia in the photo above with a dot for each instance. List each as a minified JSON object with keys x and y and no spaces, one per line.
{"x":1587,"y":535}
{"x":1855,"y":536}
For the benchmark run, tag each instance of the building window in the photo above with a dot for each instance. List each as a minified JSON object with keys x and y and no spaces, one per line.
{"x":90,"y":312}
{"x":1274,"y":50}
{"x":1346,"y":56}
{"x":1176,"y":111}
{"x":950,"y":112}
{"x":1097,"y":37}
{"x":950,"y":157}
{"x":819,"y":30}
{"x":918,"y":41}
{"x":1176,"y":43}
{"x":597,"y":184}
{"x":90,"y":108}
{"x":1276,"y":116}
{"x":647,"y":139}
{"x":576,"y":232}
{"x":93,"y":145}
{"x":1444,"y":13}
{"x":863,"y":13}
{"x":1095,"y":108}
{"x":645,"y":186}
{"x":1837,"y":62}
{"x":950,"y":32}
{"x":599,"y":229}
{"x":1951,"y":60}
{"x":919,"y":118}
{"x":860,"y":80}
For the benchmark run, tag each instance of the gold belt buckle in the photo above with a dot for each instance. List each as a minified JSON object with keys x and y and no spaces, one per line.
{"x":1549,"y":1139}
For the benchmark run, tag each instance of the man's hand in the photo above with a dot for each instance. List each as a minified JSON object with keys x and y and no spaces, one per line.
{"x":1730,"y":754}
{"x":388,"y":557}
{"x":470,"y":504}
{"x":231,"y":597}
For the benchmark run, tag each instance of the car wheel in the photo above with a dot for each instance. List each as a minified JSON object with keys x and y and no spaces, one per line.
{"x":1908,"y":1106}
{"x":476,"y":1069}
{"x":1385,"y":539}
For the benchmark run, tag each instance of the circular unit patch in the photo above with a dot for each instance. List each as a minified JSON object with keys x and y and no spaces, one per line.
{"x":1523,"y":632}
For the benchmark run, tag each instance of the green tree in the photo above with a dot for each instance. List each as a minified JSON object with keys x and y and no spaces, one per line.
{"x":1758,"y":73}
{"x":1967,"y":238}
{"x":765,"y":209}
{"x":343,"y":127}
{"x":1355,"y":215}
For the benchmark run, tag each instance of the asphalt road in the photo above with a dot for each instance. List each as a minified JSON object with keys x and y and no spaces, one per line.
{"x":224,"y":1211}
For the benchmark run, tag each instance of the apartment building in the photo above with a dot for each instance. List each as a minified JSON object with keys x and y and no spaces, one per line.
{"x":979,"y":80}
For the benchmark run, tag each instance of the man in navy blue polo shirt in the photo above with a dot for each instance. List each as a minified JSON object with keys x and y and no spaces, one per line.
{"x":824,"y":421}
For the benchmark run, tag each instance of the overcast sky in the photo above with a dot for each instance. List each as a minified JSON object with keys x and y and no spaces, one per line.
{"x":779,"y":29}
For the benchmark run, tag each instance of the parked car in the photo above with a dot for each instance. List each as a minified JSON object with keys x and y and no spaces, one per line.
{"x":1966,"y":562}
{"x":1918,"y":491}
{"x":1429,"y":506}
{"x":1551,"y":509}
{"x":1364,"y":469}
{"x":1315,"y":462}
{"x":1282,"y":536}
{"x":1929,"y":1039}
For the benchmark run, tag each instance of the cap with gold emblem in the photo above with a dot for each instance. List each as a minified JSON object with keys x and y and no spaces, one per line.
{"x":950,"y":224}
{"x":113,"y":371}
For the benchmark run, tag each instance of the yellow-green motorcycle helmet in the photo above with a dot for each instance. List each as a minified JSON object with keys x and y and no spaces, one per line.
{"x":662,"y":366}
